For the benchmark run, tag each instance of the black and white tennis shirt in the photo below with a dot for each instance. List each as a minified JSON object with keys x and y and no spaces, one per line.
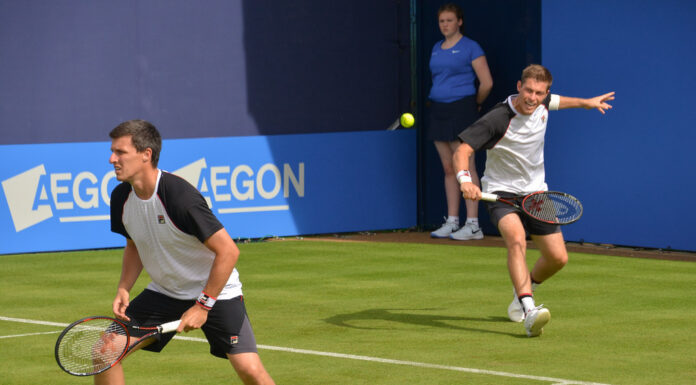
{"x":169,"y":229}
{"x":515,"y":144}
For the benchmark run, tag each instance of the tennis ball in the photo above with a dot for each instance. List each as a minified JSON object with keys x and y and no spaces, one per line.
{"x":407,"y":120}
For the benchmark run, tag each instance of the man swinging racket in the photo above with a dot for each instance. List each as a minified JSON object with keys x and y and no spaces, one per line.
{"x":513,"y":133}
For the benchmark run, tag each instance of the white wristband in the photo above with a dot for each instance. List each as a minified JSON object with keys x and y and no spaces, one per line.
{"x":463,"y":176}
{"x":555,"y":102}
{"x":206,"y":301}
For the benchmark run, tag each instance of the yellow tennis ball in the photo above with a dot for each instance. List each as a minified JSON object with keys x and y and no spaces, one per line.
{"x":407,"y":120}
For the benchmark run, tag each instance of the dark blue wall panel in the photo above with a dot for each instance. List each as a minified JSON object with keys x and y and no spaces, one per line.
{"x":633,"y":167}
{"x":71,"y":70}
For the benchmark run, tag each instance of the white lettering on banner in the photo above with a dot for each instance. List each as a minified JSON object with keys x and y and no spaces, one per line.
{"x":192,"y":174}
{"x":18,"y":193}
{"x":33,"y":196}
{"x":93,"y":202}
{"x":288,"y":176}
{"x":249,"y":185}
{"x":243,"y":185}
{"x":105,"y":194}
{"x":215,"y":183}
{"x":276,"y":181}
{"x":57,"y":189}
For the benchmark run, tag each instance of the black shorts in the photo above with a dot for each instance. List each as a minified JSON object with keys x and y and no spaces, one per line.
{"x":497,"y":210}
{"x":448,"y":120}
{"x":227,"y":329}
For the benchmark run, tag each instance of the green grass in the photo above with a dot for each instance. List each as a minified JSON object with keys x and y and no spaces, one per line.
{"x":614,"y":320}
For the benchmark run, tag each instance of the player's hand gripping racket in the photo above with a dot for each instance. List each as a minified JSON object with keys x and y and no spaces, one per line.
{"x":545,"y":206}
{"x":94,"y":344}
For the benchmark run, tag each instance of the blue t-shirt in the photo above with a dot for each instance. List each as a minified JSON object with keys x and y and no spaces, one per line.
{"x":453,"y":75}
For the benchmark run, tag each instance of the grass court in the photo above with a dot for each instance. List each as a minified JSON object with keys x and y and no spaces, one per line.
{"x":381,"y":313}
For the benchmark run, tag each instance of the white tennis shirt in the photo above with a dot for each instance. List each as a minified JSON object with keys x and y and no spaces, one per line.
{"x":515,"y":146}
{"x":168,"y":230}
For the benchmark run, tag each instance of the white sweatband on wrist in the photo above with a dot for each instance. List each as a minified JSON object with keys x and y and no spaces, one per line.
{"x":554,"y":102}
{"x":206,"y":301}
{"x":463,"y":176}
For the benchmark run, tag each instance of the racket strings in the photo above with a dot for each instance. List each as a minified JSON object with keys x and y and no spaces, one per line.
{"x":92,"y":346}
{"x":553,"y":207}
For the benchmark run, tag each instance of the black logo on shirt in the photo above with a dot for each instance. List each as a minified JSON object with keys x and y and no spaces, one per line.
{"x":160,"y":219}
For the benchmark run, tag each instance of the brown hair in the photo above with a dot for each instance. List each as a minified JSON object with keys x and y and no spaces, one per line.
{"x":537,"y":72}
{"x":457,"y":10}
{"x":143,"y":134}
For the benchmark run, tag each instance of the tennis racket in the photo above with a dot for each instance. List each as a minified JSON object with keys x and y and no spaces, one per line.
{"x":545,"y":206}
{"x":394,"y":125}
{"x":94,"y":344}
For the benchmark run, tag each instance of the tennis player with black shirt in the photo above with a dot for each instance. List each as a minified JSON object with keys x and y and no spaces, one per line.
{"x":171,"y":232}
{"x":513,"y":135}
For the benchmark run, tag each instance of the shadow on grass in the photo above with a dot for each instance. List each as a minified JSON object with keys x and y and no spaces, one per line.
{"x":411,"y":318}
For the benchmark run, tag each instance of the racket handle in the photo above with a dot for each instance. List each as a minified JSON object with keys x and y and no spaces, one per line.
{"x":394,"y":125}
{"x":169,"y":326}
{"x":489,"y":197}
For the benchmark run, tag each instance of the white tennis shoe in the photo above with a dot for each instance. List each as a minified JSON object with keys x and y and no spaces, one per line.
{"x":468,"y":232}
{"x":535,"y":320}
{"x":445,"y":230}
{"x":515,"y":311}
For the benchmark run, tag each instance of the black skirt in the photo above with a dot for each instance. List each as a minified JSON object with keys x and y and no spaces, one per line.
{"x":448,"y":120}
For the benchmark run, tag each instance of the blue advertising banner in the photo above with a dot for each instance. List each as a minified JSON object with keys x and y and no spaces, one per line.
{"x":57,"y":196}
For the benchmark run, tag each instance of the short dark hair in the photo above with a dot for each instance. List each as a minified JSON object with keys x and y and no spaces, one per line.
{"x":143,"y":134}
{"x":537,"y":72}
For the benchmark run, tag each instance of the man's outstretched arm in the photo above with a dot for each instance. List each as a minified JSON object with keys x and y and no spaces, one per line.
{"x":598,"y":102}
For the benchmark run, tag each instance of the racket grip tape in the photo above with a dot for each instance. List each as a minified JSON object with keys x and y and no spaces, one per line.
{"x":169,"y":327}
{"x":489,"y":197}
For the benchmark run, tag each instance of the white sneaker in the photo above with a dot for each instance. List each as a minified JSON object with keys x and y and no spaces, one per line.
{"x":535,"y":320}
{"x":445,"y":230}
{"x":515,"y":310}
{"x":467,"y":232}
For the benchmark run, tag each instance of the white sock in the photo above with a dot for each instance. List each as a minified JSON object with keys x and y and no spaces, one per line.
{"x":452,"y":219}
{"x":527,"y":304}
{"x":473,"y":221}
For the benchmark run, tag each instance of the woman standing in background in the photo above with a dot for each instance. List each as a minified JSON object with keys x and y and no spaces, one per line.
{"x":456,"y":62}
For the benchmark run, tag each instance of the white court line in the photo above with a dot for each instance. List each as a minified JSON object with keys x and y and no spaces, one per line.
{"x":29,"y":321}
{"x":29,"y":334}
{"x":554,"y":381}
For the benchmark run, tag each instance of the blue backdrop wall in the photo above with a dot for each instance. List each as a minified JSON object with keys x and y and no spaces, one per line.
{"x":634,"y":167}
{"x":312,"y":71}
{"x":290,"y":101}
{"x":72,"y":69}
